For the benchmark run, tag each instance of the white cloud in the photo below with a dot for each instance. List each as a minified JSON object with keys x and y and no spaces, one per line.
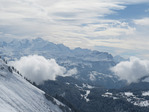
{"x":38,"y":69}
{"x":59,"y":18}
{"x":133,"y":70}
{"x":143,"y":21}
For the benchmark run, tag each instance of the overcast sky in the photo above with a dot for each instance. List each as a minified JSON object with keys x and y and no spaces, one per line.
{"x":117,"y":26}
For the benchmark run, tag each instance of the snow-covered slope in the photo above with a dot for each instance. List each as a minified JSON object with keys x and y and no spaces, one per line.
{"x":18,"y":95}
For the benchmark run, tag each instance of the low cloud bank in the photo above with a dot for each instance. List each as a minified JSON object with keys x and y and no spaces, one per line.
{"x":133,"y":70}
{"x":38,"y":69}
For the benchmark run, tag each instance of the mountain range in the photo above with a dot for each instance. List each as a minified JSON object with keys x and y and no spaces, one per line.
{"x":93,"y":66}
{"x":94,"y":88}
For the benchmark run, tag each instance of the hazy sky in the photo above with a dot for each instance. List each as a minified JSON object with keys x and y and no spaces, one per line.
{"x":117,"y":26}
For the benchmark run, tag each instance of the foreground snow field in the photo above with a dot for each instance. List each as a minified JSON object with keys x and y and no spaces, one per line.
{"x":18,"y":95}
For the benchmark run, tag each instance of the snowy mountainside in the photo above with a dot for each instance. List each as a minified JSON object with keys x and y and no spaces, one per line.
{"x":18,"y":95}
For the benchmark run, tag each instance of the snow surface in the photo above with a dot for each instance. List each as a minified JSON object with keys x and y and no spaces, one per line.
{"x":145,"y":93}
{"x":87,"y":86}
{"x":128,"y":94}
{"x":142,"y":103}
{"x":86,"y":95}
{"x":129,"y":97}
{"x":108,"y":93}
{"x":18,"y":95}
